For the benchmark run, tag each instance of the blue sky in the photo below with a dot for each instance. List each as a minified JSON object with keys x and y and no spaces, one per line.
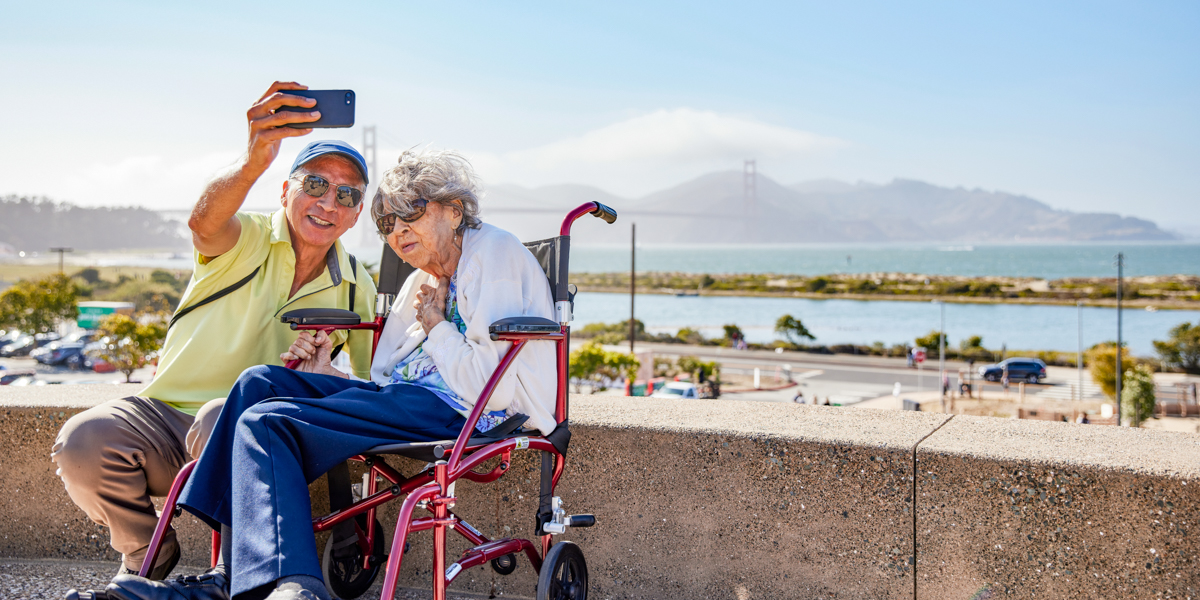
{"x":1087,"y":106}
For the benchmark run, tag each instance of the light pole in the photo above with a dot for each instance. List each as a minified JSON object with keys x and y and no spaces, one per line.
{"x":942,"y":352}
{"x":632,"y":279}
{"x":1079,"y":355}
{"x":1120,"y":289}
{"x":60,"y":252}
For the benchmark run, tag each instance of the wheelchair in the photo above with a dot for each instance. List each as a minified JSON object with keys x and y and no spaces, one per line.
{"x":354,"y":553}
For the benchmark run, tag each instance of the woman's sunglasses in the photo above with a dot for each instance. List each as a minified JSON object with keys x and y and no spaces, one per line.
{"x":316,"y":186}
{"x":387,"y":222}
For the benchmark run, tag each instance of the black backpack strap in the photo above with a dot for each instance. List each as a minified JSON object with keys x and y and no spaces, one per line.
{"x":217,"y":296}
{"x":353,"y":271}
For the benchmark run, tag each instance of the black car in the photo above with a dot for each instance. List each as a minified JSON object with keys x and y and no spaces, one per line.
{"x":18,"y":347}
{"x":1031,"y":370}
{"x":66,"y":351}
{"x":69,"y":354}
{"x":7,"y":377}
{"x":28,"y":343}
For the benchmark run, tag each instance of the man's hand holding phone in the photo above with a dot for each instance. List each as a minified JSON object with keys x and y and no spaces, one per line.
{"x":269,"y":125}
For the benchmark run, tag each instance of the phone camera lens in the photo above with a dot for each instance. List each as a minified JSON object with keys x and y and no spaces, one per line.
{"x":347,"y":97}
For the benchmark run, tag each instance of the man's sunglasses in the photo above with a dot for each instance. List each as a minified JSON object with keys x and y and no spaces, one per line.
{"x":387,"y":222}
{"x":316,"y":186}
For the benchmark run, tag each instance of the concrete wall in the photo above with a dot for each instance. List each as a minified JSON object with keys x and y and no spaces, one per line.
{"x":739,"y":500}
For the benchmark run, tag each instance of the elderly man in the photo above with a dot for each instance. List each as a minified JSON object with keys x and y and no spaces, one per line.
{"x":249,"y":268}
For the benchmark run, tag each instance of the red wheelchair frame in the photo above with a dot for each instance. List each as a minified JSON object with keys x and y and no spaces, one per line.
{"x":433,"y":489}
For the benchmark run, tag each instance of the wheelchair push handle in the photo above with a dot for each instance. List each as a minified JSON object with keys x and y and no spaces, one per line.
{"x":593,"y":208}
{"x":605,"y":212}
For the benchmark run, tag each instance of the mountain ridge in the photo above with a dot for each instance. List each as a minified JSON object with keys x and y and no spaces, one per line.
{"x":712,"y":208}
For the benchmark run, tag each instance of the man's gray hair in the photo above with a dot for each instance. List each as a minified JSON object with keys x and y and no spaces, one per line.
{"x":440,"y":176}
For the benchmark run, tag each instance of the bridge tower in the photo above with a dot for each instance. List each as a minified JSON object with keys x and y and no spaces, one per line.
{"x":368,"y":151}
{"x":750,"y":187}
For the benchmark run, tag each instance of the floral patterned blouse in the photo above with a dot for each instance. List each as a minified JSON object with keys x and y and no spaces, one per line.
{"x":419,"y":369}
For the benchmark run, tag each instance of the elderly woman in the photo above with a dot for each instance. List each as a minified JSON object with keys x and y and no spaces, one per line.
{"x":281,"y":429}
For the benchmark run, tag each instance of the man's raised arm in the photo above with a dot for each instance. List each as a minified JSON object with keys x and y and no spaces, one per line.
{"x":215,"y":228}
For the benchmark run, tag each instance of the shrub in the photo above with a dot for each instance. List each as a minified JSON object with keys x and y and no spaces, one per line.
{"x":792,"y":329}
{"x":38,"y":306}
{"x":1182,"y":350}
{"x":1102,"y":363}
{"x":130,"y":344}
{"x":1137,"y":395}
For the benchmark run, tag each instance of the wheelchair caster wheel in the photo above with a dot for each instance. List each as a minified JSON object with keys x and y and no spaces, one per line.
{"x":564,"y":574}
{"x":345,"y":576}
{"x":505,"y":565}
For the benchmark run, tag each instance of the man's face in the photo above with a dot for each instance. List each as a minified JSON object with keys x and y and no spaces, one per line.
{"x":320,"y":221}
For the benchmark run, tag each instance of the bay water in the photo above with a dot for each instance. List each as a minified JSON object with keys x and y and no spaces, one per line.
{"x":1028,"y":327}
{"x":1046,"y":261}
{"x":1021,"y":327}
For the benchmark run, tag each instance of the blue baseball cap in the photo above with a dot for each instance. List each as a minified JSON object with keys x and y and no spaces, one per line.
{"x":323,"y":147}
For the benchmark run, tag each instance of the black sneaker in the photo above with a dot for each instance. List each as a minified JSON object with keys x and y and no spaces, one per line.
{"x":213,"y":585}
{"x":159,"y":572}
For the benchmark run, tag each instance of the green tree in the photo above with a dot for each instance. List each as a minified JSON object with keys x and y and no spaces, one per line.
{"x":130,"y":344}
{"x":38,"y":306}
{"x":591,"y":362}
{"x":732,"y":331}
{"x":792,"y":329}
{"x":90,"y":275}
{"x":1182,"y":350}
{"x":1137,"y":395}
{"x":972,"y":347}
{"x":817,"y":284}
{"x":1102,"y":363}
{"x":931,"y":343}
{"x":688,"y":335}
{"x":691,"y":365}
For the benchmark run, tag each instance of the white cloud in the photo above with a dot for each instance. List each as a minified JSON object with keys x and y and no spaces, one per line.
{"x":631,"y":157}
{"x":153,"y":181}
{"x":655,"y":150}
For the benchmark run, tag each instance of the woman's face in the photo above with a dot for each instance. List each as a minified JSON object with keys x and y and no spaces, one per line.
{"x":428,"y":243}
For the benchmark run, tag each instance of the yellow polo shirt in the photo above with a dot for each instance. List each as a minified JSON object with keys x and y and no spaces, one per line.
{"x":207,"y":349}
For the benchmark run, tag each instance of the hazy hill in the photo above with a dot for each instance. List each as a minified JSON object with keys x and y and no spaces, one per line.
{"x":711,"y":208}
{"x":36,"y":224}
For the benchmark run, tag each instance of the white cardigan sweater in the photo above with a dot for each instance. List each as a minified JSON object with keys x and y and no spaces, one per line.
{"x":497,"y":278}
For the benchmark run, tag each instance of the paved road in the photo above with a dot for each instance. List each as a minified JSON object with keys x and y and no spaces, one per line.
{"x":65,"y":375}
{"x":841,"y":377}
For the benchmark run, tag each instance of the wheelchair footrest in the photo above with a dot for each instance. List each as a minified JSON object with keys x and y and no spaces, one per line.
{"x":581,"y":520}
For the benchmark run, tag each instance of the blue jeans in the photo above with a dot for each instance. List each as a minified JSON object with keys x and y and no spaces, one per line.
{"x":278,"y":431}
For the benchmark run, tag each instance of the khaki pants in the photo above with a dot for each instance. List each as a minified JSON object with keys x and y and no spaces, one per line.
{"x":115,"y":456}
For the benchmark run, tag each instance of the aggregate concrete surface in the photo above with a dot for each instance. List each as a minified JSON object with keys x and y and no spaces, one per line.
{"x":1057,"y":510}
{"x":734,"y":499}
{"x":50,"y":579}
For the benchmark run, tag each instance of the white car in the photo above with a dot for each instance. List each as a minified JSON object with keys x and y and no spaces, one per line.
{"x":677,"y":390}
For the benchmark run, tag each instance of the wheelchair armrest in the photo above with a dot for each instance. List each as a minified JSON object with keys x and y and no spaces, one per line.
{"x":321,"y":316}
{"x":523,"y":325}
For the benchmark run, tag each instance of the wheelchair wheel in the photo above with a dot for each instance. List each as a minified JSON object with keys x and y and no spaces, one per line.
{"x":505,"y":565}
{"x":564,"y":574}
{"x":345,"y":576}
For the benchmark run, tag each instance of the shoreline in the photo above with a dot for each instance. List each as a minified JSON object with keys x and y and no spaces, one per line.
{"x":1173,"y":292}
{"x":1091,"y":303}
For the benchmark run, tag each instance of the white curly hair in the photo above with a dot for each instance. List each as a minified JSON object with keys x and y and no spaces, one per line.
{"x":440,"y":176}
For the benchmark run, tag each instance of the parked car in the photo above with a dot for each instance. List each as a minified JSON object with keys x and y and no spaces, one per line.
{"x":1031,"y":370}
{"x":69,"y":355}
{"x":7,"y":377}
{"x":677,"y":390}
{"x":20,"y":346}
{"x":40,"y":343}
{"x":66,"y":351}
{"x":91,"y":357}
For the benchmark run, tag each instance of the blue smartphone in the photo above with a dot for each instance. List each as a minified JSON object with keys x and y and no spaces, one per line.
{"x":336,"y":106}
